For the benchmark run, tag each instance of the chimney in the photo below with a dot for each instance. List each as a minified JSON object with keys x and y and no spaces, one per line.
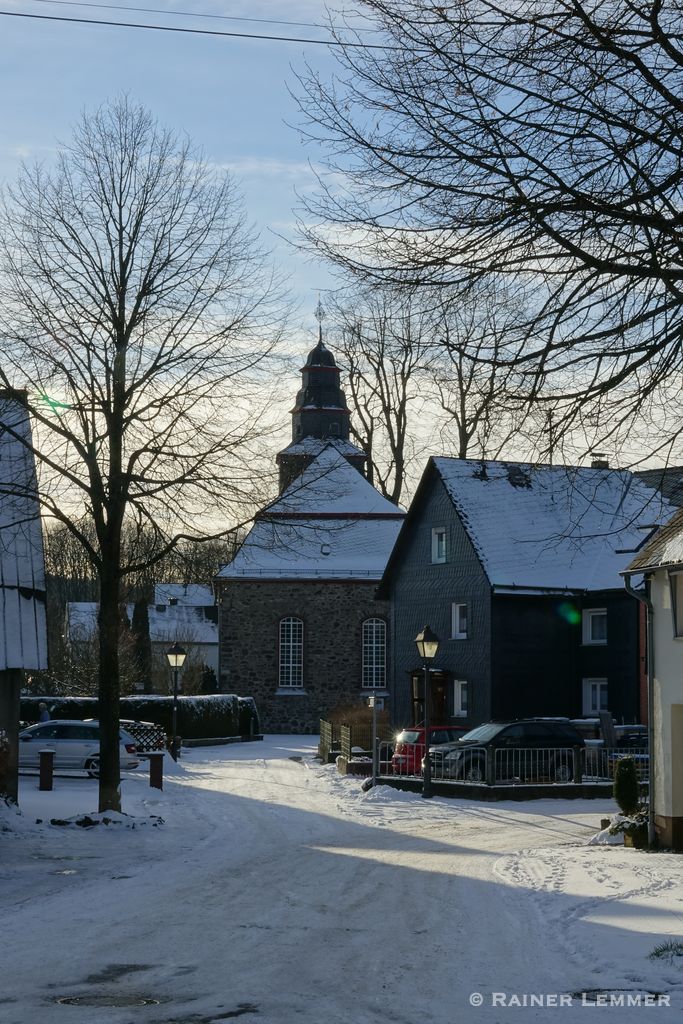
{"x":599,"y":461}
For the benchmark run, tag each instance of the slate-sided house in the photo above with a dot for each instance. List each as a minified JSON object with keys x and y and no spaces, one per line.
{"x":300,"y":629}
{"x":516,"y":568}
{"x":23,"y":635}
{"x":661,"y":564}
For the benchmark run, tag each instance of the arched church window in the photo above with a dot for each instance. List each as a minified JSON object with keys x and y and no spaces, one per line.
{"x":291,"y":652}
{"x":374,"y":654}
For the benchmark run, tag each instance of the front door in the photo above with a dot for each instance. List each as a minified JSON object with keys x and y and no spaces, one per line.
{"x":438,"y":700}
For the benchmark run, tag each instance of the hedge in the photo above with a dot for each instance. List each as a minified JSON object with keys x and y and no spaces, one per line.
{"x":201,"y":717}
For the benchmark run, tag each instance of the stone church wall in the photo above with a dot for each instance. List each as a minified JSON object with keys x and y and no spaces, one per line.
{"x":332,"y":613}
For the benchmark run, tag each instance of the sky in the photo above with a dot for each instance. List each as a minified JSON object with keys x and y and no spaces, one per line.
{"x":230,"y":95}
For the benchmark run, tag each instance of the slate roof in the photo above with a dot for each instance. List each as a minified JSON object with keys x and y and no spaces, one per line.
{"x":314,"y":549}
{"x":23,"y":633}
{"x":668,"y":480}
{"x":552,"y":527}
{"x":331,"y":487}
{"x":315,"y":445}
{"x":330,"y":523}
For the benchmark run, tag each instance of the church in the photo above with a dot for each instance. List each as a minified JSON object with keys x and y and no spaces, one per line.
{"x":300,"y":627}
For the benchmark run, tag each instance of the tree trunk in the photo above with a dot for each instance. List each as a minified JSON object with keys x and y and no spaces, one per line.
{"x":109,"y":625}
{"x":10,"y":687}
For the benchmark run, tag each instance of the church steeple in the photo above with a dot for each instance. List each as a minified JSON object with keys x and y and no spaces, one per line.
{"x":320,"y":414}
{"x":320,"y":409}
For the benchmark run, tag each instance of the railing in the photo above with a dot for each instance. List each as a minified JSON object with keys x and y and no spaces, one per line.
{"x":522,"y":765}
{"x":600,"y":762}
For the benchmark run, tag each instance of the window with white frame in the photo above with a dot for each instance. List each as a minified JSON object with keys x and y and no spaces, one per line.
{"x":458,"y":621}
{"x":595,"y":696}
{"x":676,"y":584}
{"x":291,"y":653}
{"x":438,"y":544}
{"x":594,"y":625}
{"x":460,"y":698}
{"x":374,"y":654}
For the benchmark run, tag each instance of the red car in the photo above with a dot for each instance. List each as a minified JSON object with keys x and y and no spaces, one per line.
{"x":409,"y":746}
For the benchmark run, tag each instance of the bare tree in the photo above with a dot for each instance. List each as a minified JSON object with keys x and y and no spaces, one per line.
{"x":381,"y":339}
{"x":136,"y":314}
{"x":473,"y":370}
{"x":538,"y":140}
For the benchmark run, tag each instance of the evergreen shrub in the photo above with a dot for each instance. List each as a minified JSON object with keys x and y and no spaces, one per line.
{"x":626,"y":789}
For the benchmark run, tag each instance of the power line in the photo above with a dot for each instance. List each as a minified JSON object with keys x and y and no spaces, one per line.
{"x":195,"y":31}
{"x":183,"y":14}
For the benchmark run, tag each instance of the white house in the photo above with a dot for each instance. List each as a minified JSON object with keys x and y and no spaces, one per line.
{"x":661,"y":564}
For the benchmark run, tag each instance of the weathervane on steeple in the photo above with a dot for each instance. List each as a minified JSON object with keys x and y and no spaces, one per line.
{"x":320,"y":316}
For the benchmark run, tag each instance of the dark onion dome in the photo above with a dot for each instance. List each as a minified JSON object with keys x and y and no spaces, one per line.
{"x":320,"y":356}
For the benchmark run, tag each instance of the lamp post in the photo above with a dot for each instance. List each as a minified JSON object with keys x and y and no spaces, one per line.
{"x":176,"y":656}
{"x":372,"y":701}
{"x":427,"y":645}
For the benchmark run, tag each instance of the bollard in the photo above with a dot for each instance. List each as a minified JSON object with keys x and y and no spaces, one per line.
{"x":156,"y":770}
{"x":47,"y":758}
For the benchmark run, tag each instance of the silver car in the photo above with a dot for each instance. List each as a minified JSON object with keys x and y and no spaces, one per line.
{"x":76,"y":745}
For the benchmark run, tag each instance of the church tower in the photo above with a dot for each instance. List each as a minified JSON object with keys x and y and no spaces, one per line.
{"x":320,"y":416}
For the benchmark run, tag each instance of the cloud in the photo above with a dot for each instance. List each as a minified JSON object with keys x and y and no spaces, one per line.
{"x":268,"y":167}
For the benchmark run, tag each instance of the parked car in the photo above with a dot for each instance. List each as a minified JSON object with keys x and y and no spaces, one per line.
{"x":631,"y":736}
{"x":530,"y":750}
{"x":600,"y":758}
{"x":627,"y":735}
{"x":76,"y":745}
{"x":409,"y":746}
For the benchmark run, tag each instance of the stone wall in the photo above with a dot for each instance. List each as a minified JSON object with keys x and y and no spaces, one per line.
{"x":332,"y":612}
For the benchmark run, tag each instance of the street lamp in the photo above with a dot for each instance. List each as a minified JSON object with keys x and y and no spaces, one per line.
{"x":176,"y":656}
{"x":427,"y":645}
{"x":372,"y":702}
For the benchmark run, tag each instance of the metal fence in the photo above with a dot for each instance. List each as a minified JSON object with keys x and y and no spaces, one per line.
{"x":600,"y":762}
{"x":522,"y":765}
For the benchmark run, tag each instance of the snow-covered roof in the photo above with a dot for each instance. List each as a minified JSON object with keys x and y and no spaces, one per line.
{"x":314,"y":445}
{"x":23,"y":632}
{"x":665,"y":548}
{"x":192,"y":594}
{"x":182,"y":623}
{"x":315,"y":549}
{"x":330,"y":523}
{"x":330,"y":486}
{"x":552,"y":527}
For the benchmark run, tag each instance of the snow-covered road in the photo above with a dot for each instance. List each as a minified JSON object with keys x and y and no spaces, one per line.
{"x":277,"y":892}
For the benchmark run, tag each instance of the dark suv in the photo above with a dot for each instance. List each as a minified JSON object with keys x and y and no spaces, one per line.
{"x":528,"y":750}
